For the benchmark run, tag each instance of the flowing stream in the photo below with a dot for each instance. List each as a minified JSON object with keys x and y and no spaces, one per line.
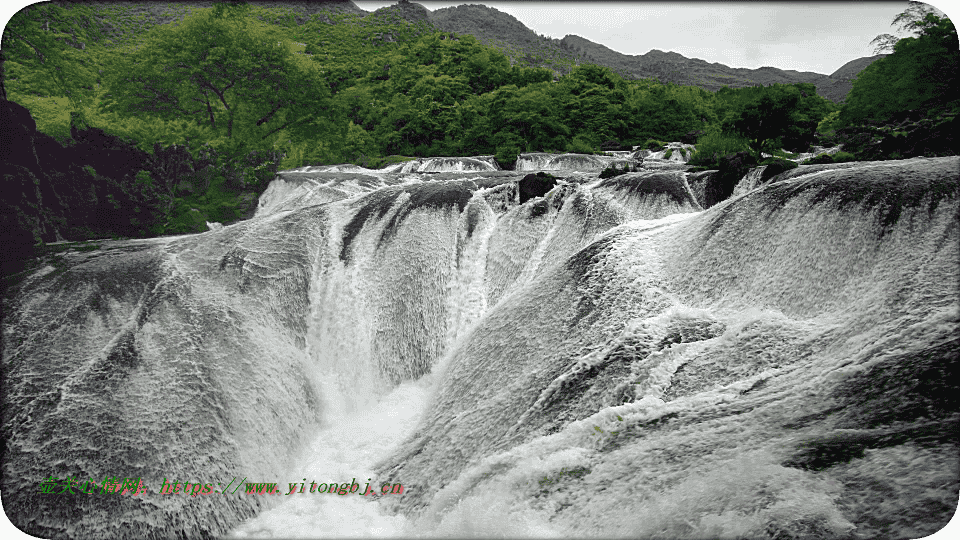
{"x":605,"y":359}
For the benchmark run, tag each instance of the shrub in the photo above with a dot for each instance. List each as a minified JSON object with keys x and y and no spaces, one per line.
{"x":506,"y":156}
{"x":829,"y":124}
{"x":613,"y":170}
{"x":822,"y":158}
{"x":668,"y":153}
{"x":654,"y":145}
{"x":842,"y":157}
{"x":579,"y":145}
{"x":711,"y":147}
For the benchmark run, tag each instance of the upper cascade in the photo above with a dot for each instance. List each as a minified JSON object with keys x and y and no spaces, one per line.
{"x":541,"y":161}
{"x":450,"y":164}
{"x":675,"y":152}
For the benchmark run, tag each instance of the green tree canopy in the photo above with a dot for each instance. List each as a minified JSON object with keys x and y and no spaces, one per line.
{"x":42,"y":49}
{"x":221,"y":68}
{"x":920,"y":74}
{"x":777,"y":115}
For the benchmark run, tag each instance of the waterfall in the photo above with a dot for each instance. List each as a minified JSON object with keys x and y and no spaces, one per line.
{"x":607,"y":359}
{"x":569,"y":162}
{"x":750,"y":181}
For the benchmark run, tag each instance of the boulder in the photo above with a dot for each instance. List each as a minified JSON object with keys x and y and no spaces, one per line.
{"x":720,"y":186}
{"x":536,"y":185}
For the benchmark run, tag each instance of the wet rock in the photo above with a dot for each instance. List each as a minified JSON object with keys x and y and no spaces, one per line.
{"x":536,"y":185}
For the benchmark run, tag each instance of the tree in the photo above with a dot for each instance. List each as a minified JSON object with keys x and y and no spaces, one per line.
{"x":42,"y":46}
{"x":764,"y":121}
{"x":910,"y":20}
{"x":223,"y":68}
{"x":921,"y":74}
{"x":778,"y":115}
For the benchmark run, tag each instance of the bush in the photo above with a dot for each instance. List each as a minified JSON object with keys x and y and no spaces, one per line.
{"x":714,"y":146}
{"x":506,"y":156}
{"x":654,"y":145}
{"x":579,"y":145}
{"x":839,"y":157}
{"x":819,"y":160}
{"x":829,"y":124}
{"x":613,"y":170}
{"x":668,"y":153}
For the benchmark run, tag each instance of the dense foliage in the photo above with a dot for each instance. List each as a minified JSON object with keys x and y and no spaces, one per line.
{"x":921,"y":74}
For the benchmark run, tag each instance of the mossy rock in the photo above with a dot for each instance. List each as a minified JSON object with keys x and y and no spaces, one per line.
{"x":775,"y":166}
{"x":654,"y":145}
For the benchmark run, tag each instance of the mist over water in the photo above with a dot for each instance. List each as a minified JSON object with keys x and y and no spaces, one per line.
{"x":608,"y":359}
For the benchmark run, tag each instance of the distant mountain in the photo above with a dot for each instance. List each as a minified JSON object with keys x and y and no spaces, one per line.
{"x":498,"y":29}
{"x":840,"y":81}
{"x":120,"y":20}
{"x":501,"y":30}
{"x":851,"y":69}
{"x":674,"y":67}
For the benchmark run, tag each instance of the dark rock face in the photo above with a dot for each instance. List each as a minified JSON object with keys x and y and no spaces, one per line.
{"x":691,"y":137}
{"x":906,"y":137}
{"x":614,"y":144}
{"x":775,"y":167}
{"x":21,"y":207}
{"x":720,"y":186}
{"x":98,"y":185}
{"x":698,"y":182}
{"x":82,"y":191}
{"x":653,"y":183}
{"x":18,"y":128}
{"x":536,"y":185}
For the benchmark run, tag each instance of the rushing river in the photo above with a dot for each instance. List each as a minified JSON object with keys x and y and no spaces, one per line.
{"x":604,"y":359}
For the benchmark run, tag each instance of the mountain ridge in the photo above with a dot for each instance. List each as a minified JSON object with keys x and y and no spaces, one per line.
{"x":502,"y":30}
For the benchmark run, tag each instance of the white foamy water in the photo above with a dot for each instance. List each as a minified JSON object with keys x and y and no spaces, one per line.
{"x":343,"y":450}
{"x":606,"y":360}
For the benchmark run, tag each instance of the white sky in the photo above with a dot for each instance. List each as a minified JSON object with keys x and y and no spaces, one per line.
{"x":805,"y":36}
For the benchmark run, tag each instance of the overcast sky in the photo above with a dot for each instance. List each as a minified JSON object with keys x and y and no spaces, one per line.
{"x":805,"y":36}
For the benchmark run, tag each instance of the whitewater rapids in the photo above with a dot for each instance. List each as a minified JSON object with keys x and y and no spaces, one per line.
{"x":607,"y":360}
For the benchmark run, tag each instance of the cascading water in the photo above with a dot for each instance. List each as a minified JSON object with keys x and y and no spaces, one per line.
{"x":567,"y":162}
{"x":750,"y":181}
{"x":608,"y":359}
